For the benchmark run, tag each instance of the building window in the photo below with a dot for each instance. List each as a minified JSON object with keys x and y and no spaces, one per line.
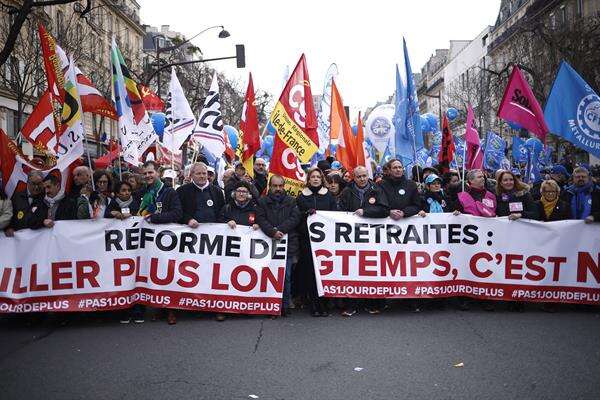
{"x":484,"y":40}
{"x":552,"y":21}
{"x":562,"y":15}
{"x":579,"y":8}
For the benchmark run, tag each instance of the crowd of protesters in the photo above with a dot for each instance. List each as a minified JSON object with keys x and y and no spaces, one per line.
{"x":197,"y":196}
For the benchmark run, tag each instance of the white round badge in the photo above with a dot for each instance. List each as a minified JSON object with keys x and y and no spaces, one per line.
{"x":209,"y":203}
{"x":402,"y":192}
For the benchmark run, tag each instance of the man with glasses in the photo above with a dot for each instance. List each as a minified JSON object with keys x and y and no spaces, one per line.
{"x":28,"y":206}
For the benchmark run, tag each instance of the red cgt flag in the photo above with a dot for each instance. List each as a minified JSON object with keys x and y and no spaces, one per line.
{"x":446,"y":154}
{"x":249,"y":132}
{"x":294,"y":115}
{"x":151,"y":100}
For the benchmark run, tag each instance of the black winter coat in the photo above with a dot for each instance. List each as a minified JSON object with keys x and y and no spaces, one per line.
{"x":114,"y":206}
{"x":241,"y":215}
{"x":67,"y":210}
{"x":447,"y":203}
{"x":27,"y":215}
{"x":284,"y":216}
{"x":374,"y":203}
{"x":260,"y":182}
{"x":307,"y":201}
{"x":402,"y":194}
{"x":561,"y":211}
{"x":523,"y":200}
{"x":188,"y":194}
{"x":170,"y":207}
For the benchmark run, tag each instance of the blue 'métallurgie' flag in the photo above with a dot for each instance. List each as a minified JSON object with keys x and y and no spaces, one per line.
{"x":573,"y":110}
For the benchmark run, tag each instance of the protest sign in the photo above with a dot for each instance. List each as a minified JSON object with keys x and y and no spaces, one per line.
{"x":110,"y":264}
{"x":443,"y":255}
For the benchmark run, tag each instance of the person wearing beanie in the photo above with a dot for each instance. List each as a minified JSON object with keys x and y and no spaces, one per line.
{"x":433,"y":199}
{"x":324,"y":166}
{"x":240,"y":211}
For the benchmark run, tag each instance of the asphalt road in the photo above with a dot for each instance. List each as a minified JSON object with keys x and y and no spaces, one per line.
{"x":395,"y":355}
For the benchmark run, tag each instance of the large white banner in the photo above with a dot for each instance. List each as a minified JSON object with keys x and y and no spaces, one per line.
{"x":111,"y":264}
{"x":443,"y":255}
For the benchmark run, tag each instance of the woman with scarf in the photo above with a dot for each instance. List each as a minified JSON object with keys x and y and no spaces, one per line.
{"x":551,"y":207}
{"x":335,"y":184}
{"x":102,"y":197}
{"x":513,"y":199}
{"x":124,"y":205}
{"x":476,"y":200}
{"x":433,"y":198}
{"x":313,"y":197}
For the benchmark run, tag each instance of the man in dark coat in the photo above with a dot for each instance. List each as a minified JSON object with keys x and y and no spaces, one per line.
{"x":57,"y":206}
{"x":260,"y":174}
{"x":160,"y":204}
{"x":278,"y":215}
{"x":363,"y":197}
{"x":402,"y":194}
{"x":583,"y":196}
{"x":28,"y":205}
{"x":201,"y":202}
{"x":82,"y":176}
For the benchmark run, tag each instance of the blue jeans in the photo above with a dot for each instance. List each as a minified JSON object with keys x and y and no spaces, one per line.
{"x":287,"y":287}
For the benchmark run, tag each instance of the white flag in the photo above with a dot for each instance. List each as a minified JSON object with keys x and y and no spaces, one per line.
{"x":323,"y":123}
{"x":209,"y":128}
{"x":70,"y":143}
{"x":135,"y":128}
{"x":180,"y":120}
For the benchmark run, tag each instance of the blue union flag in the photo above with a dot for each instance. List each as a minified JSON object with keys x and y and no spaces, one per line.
{"x":573,"y":110}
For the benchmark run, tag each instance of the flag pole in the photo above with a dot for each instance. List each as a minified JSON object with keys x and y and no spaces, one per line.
{"x":464,"y":163}
{"x":87,"y":149}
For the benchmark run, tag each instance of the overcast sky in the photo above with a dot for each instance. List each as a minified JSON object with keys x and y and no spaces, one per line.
{"x":364,"y":38}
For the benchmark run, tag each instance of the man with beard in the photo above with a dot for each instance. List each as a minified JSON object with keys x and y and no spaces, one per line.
{"x":277,"y":215}
{"x":260,"y":174}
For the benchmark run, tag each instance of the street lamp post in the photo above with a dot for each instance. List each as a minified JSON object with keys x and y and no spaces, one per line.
{"x":222,"y":35}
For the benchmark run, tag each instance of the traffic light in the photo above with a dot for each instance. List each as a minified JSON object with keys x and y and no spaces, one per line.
{"x":240,"y":55}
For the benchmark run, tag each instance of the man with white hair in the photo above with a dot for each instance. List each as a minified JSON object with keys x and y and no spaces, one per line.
{"x":365,"y":199}
{"x":201,"y":202}
{"x":82,"y":176}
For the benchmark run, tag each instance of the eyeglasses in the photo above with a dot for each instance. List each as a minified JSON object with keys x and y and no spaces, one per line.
{"x":550,"y":191}
{"x":242,"y":191}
